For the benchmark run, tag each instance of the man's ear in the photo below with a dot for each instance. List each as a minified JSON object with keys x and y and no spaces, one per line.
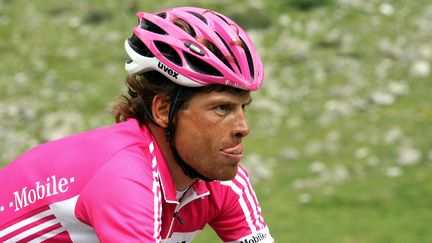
{"x":160,"y":110}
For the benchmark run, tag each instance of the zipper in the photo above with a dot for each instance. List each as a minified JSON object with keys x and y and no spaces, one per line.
{"x":173,"y":219}
{"x":182,"y":202}
{"x":178,"y":218}
{"x":176,"y":210}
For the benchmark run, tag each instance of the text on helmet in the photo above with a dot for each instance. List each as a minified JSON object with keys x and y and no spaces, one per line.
{"x":167,"y":70}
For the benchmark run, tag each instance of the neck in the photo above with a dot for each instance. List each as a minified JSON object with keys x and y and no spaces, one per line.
{"x":181,"y":180}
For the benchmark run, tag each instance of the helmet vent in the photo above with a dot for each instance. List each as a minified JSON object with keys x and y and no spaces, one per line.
{"x":201,"y":66}
{"x":150,"y":26}
{"x":168,"y":52}
{"x":219,"y":54}
{"x":138,"y":46}
{"x":198,"y":16}
{"x":162,"y":15}
{"x":249,"y":59}
{"x":230,"y":51}
{"x":185,"y":26}
{"x":221,"y":18}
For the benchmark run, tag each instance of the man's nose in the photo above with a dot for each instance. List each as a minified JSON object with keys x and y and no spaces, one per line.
{"x":241,"y":127}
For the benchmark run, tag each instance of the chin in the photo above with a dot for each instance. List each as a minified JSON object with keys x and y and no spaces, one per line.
{"x":227,"y":175}
{"x":227,"y":178}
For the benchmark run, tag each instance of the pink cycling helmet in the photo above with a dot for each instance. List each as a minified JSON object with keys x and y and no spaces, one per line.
{"x":215,"y":50}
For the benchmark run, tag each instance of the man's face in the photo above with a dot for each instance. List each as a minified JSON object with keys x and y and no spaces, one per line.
{"x":209,"y":133}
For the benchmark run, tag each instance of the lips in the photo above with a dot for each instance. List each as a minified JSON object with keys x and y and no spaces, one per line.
{"x":234,"y":153}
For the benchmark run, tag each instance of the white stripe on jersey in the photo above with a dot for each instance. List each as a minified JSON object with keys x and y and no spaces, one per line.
{"x":64,"y":215}
{"x":251,"y":199}
{"x":33,"y":230}
{"x":157,"y":199}
{"x":242,"y":202}
{"x":47,"y":235}
{"x":151,"y":147}
{"x":25,"y":222}
{"x":157,"y":207}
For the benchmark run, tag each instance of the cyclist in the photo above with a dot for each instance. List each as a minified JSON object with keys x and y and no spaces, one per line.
{"x":171,"y":163}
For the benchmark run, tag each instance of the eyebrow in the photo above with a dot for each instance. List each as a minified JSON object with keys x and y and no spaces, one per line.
{"x":230,"y":102}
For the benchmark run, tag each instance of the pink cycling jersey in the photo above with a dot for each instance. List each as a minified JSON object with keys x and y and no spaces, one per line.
{"x":113,"y":185}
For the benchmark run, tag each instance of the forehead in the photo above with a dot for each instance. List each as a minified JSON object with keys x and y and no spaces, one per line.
{"x":227,"y":95}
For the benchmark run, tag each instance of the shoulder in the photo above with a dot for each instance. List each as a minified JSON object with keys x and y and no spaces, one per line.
{"x":103,"y":139}
{"x":119,"y":185}
{"x":240,"y":217}
{"x":132,"y":161}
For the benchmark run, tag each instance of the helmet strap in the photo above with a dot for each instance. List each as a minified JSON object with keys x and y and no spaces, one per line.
{"x":170,"y":134}
{"x":145,"y":109}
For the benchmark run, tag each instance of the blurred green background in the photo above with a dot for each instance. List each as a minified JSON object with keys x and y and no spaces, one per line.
{"x":340,"y":148}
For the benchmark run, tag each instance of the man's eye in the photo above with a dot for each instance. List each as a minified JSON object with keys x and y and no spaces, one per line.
{"x":223,"y":107}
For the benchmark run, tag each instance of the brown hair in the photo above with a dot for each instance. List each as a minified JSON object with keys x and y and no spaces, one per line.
{"x":141,"y":90}
{"x":143,"y":87}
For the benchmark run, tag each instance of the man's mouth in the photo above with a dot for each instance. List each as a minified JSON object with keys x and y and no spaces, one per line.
{"x":234,"y":153}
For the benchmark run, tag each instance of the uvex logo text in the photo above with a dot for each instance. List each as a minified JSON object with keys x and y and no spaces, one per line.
{"x":168,"y":70}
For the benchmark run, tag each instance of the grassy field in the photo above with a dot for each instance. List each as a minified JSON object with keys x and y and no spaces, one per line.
{"x":340,"y":149}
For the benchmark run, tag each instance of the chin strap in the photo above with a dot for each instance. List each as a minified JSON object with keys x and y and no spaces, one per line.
{"x":169,"y":135}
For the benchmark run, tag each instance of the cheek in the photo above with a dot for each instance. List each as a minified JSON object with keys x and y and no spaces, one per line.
{"x":198,"y":134}
{"x":197,"y":129}
{"x":196,"y":144}
{"x":193,"y":141}
{"x":189,"y":136}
